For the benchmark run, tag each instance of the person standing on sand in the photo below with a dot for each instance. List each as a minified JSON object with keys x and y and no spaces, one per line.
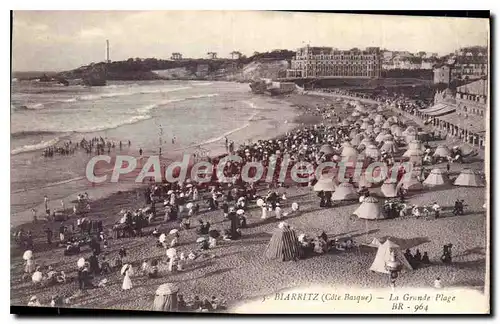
{"x":46,"y":202}
{"x":127,"y":282}
{"x":140,"y":151}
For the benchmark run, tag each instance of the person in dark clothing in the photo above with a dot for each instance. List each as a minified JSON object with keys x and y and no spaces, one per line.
{"x":140,"y":151}
{"x":233,"y":218}
{"x":328,"y":199}
{"x":425,"y":258}
{"x":122,"y":253}
{"x":418,"y":256}
{"x":409,"y":256}
{"x":94,"y":265}
{"x":49,"y":233}
{"x":324,"y":236}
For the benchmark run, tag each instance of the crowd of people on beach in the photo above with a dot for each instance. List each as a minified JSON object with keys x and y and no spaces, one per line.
{"x":173,"y":205}
{"x":97,"y":145}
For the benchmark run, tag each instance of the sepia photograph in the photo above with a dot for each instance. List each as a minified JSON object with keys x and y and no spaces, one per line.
{"x":249,"y":162}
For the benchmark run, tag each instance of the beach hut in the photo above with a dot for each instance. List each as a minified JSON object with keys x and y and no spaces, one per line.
{"x":345,"y":191}
{"x":389,"y":147}
{"x":325,"y":183}
{"x":373,"y":152}
{"x":284,"y":245}
{"x":326,"y":149}
{"x":410,"y":130}
{"x":410,"y":183}
{"x":469,"y":178}
{"x":367,"y":141}
{"x":437,"y":177}
{"x":396,"y":131}
{"x":380,"y":137}
{"x":385,"y":252}
{"x":388,"y":188}
{"x":369,"y":209}
{"x":349,"y":152}
{"x":442,"y":151}
{"x":166,"y":298}
{"x":379,"y":118}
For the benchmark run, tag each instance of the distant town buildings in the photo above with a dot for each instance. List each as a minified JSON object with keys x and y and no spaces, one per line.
{"x":404,"y":60}
{"x":469,"y":63}
{"x":442,"y":74}
{"x":317,"y":62}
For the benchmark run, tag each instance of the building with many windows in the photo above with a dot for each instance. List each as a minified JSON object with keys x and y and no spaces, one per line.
{"x":470,"y":63}
{"x":317,"y":62}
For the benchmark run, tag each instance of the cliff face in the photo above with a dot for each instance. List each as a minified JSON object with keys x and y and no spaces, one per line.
{"x":243,"y":70}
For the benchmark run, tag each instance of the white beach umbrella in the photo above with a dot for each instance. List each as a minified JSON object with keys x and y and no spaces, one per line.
{"x":171,"y":253}
{"x":201,"y":239}
{"x":28,"y":254}
{"x":240,"y":212}
{"x":260,"y":202}
{"x":173,"y":231}
{"x":162,"y":238}
{"x":80,"y":263}
{"x":189,"y":205}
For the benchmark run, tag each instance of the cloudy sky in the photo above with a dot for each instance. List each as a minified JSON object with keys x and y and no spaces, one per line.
{"x":61,"y":40}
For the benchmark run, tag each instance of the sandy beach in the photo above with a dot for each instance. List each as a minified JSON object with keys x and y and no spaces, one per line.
{"x":236,"y":271}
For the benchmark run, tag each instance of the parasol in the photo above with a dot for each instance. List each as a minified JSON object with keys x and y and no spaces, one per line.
{"x":240,"y":212}
{"x":28,"y":254}
{"x":125,"y":268}
{"x":171,"y":253}
{"x":295,"y":206}
{"x":189,"y":205}
{"x":80,"y":263}
{"x":260,"y":202}
{"x":173,"y":231}
{"x":162,"y":238}
{"x":201,"y":239}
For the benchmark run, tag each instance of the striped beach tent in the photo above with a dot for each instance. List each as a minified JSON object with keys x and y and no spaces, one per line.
{"x":437,"y":177}
{"x":345,"y":191}
{"x":283,"y":245}
{"x":469,"y":178}
{"x":369,"y":209}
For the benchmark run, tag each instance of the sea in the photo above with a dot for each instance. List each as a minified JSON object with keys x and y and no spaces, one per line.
{"x":198,"y":115}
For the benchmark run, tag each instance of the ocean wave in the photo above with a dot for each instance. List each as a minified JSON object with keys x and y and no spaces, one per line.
{"x":35,"y":147}
{"x":150,"y":107}
{"x":202,"y":83}
{"x":22,"y":134}
{"x":52,"y":184}
{"x":131,"y":120}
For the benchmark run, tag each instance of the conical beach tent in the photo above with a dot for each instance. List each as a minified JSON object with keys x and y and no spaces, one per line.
{"x":384,"y":255}
{"x":369,"y":209}
{"x":345,"y":191}
{"x":388,"y":188}
{"x":437,"y":177}
{"x":326,"y":149}
{"x":166,"y":298}
{"x":373,"y":152}
{"x":410,"y":183}
{"x":283,"y":245}
{"x":325,"y":183}
{"x":389,"y":147}
{"x":469,"y":178}
{"x":442,"y":151}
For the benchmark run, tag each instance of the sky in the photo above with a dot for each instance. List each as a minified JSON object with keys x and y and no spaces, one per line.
{"x":63,"y":40}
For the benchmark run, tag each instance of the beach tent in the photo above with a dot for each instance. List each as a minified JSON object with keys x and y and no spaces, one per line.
{"x":378,"y":118}
{"x":396,"y":131}
{"x":325,"y":183}
{"x":442,"y":151}
{"x":367,"y":141}
{"x":345,"y":191}
{"x":375,"y":243}
{"x":388,"y":137}
{"x":389,"y":147}
{"x":363,"y":181}
{"x":380,"y":109}
{"x":410,"y":183}
{"x":377,"y":130}
{"x":416,"y":158}
{"x":384,"y":255}
{"x":413,"y":149}
{"x":356,"y":140}
{"x":366,"y":120}
{"x":410,"y":130}
{"x":349,"y":152}
{"x":380,"y":137}
{"x":416,"y":145}
{"x":469,"y":178}
{"x":369,"y":209}
{"x":345,"y":123}
{"x":166,"y":298}
{"x":437,"y":177}
{"x":354,"y":132}
{"x":393,"y":119}
{"x":283,"y":245}
{"x":388,"y":188}
{"x":364,"y":125}
{"x":355,"y":114}
{"x":326,"y":149}
{"x":372,"y":151}
{"x":370,"y":129}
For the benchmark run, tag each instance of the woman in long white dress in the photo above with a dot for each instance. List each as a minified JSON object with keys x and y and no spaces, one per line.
{"x":264,"y":212}
{"x":127,"y":282}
